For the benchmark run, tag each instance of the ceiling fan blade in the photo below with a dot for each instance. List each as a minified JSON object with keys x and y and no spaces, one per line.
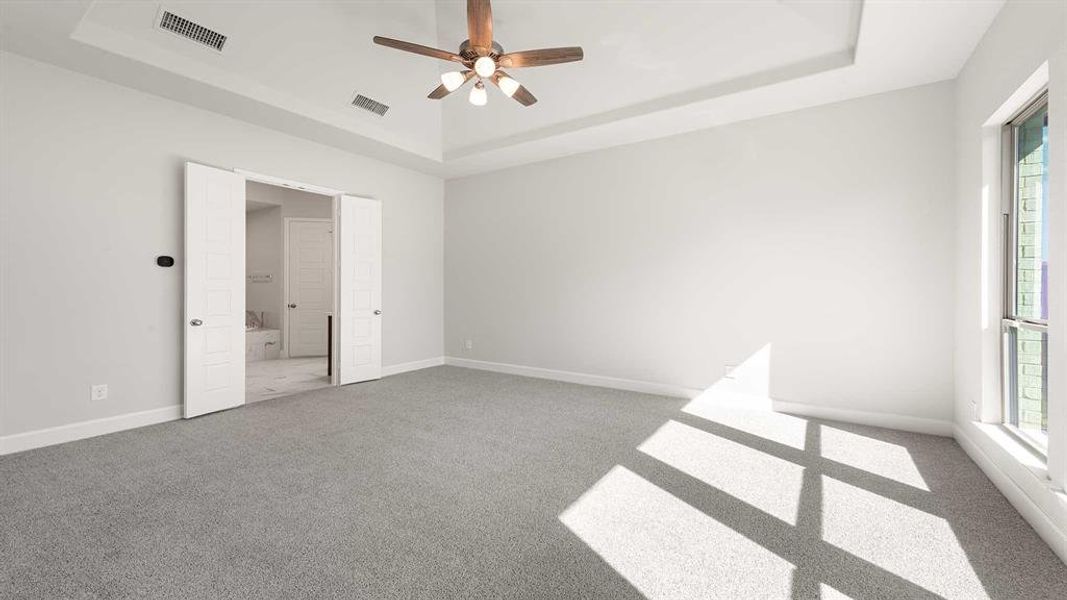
{"x":438,"y":92}
{"x":441,"y":91}
{"x":521,"y":95}
{"x":418,"y":49}
{"x":538,"y":58}
{"x":524,"y":96}
{"x":480,"y":26}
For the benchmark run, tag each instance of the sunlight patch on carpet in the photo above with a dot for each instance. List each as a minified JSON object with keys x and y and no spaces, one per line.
{"x":903,"y":540}
{"x":667,"y":549}
{"x":767,"y":482}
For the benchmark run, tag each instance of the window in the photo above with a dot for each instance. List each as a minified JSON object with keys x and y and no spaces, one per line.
{"x":1025,"y":324}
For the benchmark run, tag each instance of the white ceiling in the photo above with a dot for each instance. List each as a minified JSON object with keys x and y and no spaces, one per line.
{"x":638,"y":53}
{"x":651,"y":68}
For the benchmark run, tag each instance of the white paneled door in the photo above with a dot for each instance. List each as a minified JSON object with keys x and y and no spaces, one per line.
{"x":309,"y":284}
{"x":359,"y":245}
{"x":214,"y":326}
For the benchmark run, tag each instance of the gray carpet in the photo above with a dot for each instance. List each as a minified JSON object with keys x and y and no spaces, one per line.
{"x":452,"y":483}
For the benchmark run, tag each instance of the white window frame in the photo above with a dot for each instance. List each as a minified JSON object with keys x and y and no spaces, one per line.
{"x":1011,"y":322}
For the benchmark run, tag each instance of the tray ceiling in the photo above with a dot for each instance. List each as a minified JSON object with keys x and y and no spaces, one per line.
{"x":652,"y":68}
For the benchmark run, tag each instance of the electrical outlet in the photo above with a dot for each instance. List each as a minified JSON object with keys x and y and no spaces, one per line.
{"x":468,"y":345}
{"x":98,"y":392}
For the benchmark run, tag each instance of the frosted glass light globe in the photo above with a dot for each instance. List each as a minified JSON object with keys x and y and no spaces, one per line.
{"x":484,"y":67}
{"x":452,"y":80}
{"x":508,"y":85}
{"x":478,"y":96}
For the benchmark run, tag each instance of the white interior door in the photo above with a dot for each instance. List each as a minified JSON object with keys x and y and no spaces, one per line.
{"x":214,"y":373}
{"x":359,"y":249}
{"x":309,"y":284}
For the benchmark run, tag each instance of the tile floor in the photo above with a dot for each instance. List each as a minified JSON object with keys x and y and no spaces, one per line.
{"x":266,"y":379}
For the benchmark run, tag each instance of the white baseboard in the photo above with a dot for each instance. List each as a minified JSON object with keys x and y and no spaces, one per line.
{"x":86,"y":429}
{"x":77,"y":431}
{"x":414,"y":365}
{"x":1042,"y":522}
{"x":889,"y":421}
{"x":863,"y":417}
{"x":630,"y":385}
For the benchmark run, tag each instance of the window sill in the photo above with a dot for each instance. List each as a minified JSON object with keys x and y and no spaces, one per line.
{"x":1021,"y":476}
{"x":1037,"y":446}
{"x":1017,"y":449}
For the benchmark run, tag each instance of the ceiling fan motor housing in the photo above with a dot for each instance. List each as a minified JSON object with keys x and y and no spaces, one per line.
{"x":468,"y":53}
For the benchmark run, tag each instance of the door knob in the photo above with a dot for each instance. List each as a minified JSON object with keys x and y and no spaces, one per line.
{"x":378,"y":312}
{"x":292,"y":306}
{"x":196,"y":322}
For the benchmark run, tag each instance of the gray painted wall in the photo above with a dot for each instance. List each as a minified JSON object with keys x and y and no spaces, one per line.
{"x":91,"y":190}
{"x":826,"y":233}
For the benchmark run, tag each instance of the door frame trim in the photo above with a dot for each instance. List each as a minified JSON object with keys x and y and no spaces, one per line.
{"x":316,"y":189}
{"x":288,"y":183}
{"x":286,"y":221}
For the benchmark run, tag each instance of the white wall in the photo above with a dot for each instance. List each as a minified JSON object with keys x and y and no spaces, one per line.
{"x":264,"y":243}
{"x":91,"y":191}
{"x":1024,"y":36}
{"x":263,"y":254}
{"x":826,"y":233}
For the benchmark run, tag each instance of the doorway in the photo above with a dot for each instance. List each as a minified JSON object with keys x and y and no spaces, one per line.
{"x":283,"y":288}
{"x":289,"y":299}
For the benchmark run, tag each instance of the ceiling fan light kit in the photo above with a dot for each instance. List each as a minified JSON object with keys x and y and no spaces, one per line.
{"x":507,"y":85}
{"x":453,"y":80}
{"x":485,"y":66}
{"x":478,"y":96}
{"x":482,"y":58}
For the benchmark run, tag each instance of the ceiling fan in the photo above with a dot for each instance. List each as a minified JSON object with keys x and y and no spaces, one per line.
{"x":483,"y":59}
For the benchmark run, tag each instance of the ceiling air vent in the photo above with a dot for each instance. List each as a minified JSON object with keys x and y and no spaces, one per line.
{"x":366,"y":103}
{"x":189,"y":30}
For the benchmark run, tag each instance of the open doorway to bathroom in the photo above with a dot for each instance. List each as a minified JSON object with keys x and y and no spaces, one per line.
{"x":290,"y":290}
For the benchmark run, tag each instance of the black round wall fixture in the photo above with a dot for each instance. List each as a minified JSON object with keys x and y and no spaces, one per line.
{"x":165,"y":261}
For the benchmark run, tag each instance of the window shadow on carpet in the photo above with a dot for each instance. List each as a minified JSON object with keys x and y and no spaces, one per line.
{"x":729,"y":501}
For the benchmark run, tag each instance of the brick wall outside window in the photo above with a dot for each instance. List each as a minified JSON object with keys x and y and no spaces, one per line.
{"x":1031,"y":275}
